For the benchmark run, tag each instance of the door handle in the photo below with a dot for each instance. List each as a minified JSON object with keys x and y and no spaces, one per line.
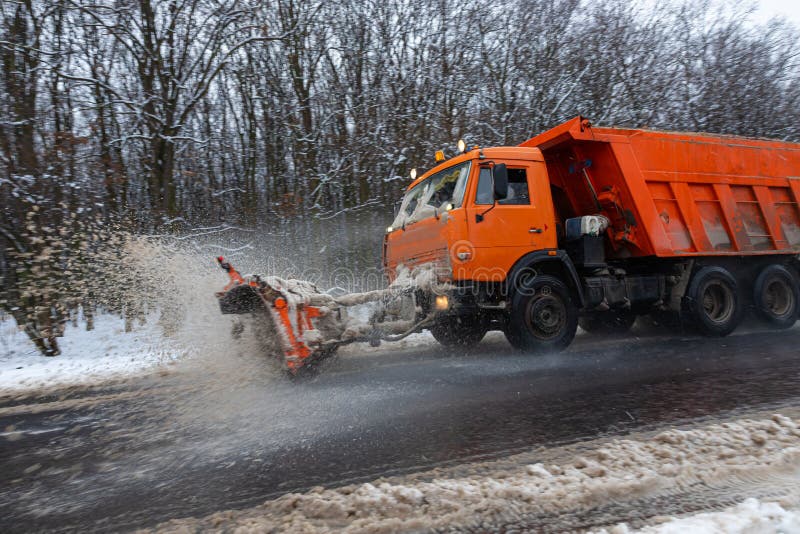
{"x":535,"y":231}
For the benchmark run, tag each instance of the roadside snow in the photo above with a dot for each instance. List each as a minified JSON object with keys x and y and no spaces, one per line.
{"x":741,"y":453}
{"x":750,"y":517}
{"x":86,"y":356}
{"x":108,"y":352}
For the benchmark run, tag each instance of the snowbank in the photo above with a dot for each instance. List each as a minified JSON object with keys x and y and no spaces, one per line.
{"x":624,"y":469}
{"x":86,"y":356}
{"x":750,"y":517}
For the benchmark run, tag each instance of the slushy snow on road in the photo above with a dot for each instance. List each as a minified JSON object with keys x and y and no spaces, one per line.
{"x":744,"y":453}
{"x":750,"y":517}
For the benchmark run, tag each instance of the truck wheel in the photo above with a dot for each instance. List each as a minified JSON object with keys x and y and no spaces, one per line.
{"x":459,"y":331}
{"x":712,"y":302}
{"x":776,"y":296}
{"x":613,"y":322}
{"x":543,"y":316}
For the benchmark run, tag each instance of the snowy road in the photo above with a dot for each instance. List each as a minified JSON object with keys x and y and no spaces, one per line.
{"x":233,"y":434}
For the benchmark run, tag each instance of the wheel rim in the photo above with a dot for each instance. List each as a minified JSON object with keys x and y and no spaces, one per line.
{"x":718,"y":301}
{"x":778,"y":298}
{"x":546,"y":315}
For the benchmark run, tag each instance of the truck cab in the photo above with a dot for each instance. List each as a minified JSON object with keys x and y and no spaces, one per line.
{"x":477,"y":219}
{"x":454,"y":217}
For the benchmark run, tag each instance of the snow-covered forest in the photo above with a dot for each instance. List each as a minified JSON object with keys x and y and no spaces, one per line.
{"x":159,"y":115}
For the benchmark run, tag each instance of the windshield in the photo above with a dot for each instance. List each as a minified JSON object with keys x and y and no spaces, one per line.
{"x":433,"y":194}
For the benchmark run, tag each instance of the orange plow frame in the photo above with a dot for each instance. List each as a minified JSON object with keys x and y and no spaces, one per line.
{"x":291,"y":322}
{"x":311,"y":325}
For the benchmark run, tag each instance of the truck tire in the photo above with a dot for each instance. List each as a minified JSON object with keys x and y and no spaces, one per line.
{"x":712,"y":304}
{"x":543,"y":317}
{"x":776,"y":296}
{"x":610,"y":322}
{"x":459,"y":331}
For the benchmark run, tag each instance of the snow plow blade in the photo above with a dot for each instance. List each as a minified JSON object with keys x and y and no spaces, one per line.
{"x":311,"y":325}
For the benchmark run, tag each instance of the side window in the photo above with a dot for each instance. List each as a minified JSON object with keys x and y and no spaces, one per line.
{"x":485,"y":195}
{"x":517,"y":188}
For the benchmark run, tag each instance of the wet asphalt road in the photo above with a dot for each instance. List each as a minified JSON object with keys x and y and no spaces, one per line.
{"x":135,"y":454}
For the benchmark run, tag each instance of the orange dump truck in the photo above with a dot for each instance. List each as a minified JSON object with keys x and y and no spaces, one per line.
{"x":590,"y":225}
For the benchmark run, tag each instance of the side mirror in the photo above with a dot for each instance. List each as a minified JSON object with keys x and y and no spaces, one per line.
{"x":500,"y":180}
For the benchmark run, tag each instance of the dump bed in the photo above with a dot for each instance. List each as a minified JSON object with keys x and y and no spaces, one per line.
{"x":676,"y":194}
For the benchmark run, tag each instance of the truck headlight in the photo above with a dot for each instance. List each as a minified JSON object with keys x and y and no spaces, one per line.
{"x":442,"y":302}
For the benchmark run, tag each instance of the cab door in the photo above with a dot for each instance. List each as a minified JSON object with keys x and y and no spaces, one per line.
{"x":511,"y":227}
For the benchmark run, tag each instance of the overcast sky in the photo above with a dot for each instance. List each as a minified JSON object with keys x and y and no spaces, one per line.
{"x":789,"y":9}
{"x":765,"y":9}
